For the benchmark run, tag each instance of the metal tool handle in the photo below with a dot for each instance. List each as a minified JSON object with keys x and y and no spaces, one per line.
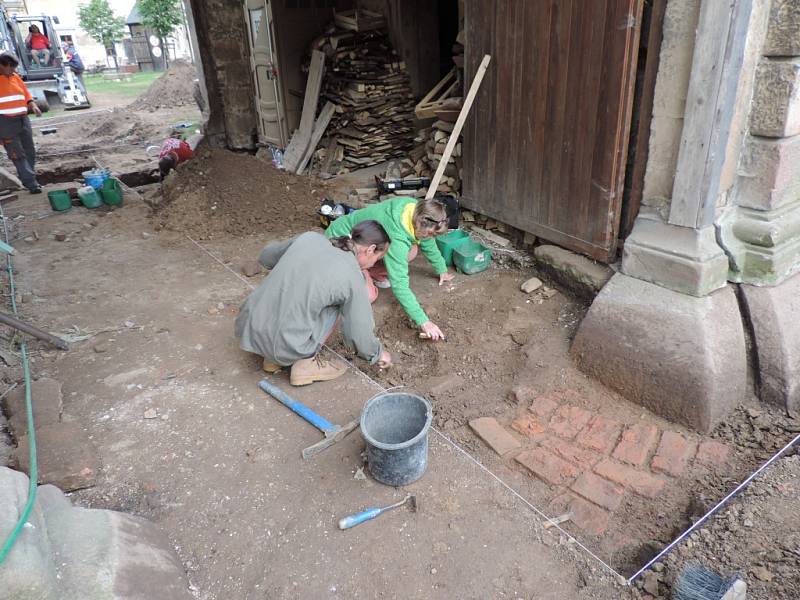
{"x":299,"y":408}
{"x":358,"y":518}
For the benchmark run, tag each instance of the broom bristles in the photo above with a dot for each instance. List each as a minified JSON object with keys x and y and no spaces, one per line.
{"x":696,"y":582}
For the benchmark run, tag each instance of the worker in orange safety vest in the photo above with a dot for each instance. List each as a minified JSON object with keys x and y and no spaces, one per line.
{"x":15,"y":127}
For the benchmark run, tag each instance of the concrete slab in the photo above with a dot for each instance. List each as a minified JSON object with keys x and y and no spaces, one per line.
{"x":681,"y":357}
{"x":775,"y":316}
{"x":46,"y":400}
{"x":67,"y":457}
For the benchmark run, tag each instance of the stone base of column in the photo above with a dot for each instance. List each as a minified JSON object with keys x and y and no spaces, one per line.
{"x":679,"y":258}
{"x":775,"y":316}
{"x":680,"y":356}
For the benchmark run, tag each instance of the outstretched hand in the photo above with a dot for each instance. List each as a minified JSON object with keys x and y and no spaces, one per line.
{"x":432,"y":331}
{"x":446,"y":277}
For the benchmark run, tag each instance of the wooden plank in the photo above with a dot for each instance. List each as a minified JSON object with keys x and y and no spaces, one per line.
{"x":299,"y":143}
{"x":633,"y":200}
{"x":451,"y":143}
{"x":716,"y":66}
{"x":320,"y":125}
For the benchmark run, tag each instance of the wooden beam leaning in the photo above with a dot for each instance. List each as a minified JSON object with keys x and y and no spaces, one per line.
{"x":299,"y":143}
{"x":710,"y":103}
{"x":320,"y":125}
{"x":451,"y":143}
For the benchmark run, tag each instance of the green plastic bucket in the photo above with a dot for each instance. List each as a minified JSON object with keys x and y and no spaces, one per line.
{"x":449,"y":241}
{"x":60,"y":199}
{"x":472,"y":257}
{"x":111,"y":192}
{"x":89,"y":197}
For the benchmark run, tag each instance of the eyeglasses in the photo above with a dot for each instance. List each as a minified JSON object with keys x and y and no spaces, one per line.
{"x":435,"y":222}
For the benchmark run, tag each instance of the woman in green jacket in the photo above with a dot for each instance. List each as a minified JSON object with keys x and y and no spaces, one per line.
{"x":411,"y":225}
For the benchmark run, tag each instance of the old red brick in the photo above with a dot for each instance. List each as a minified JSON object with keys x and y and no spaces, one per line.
{"x":543,"y":407}
{"x":569,"y":451}
{"x":547,"y":466}
{"x":569,"y":420}
{"x":598,"y":490}
{"x":639,"y":482}
{"x":673,"y":454}
{"x":592,"y":519}
{"x":491,"y":432}
{"x":713,"y":454}
{"x":601,"y":434}
{"x":636,"y":444}
{"x":528,"y":426}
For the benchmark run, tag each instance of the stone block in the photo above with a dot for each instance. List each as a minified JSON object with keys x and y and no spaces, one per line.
{"x":46,"y":401}
{"x":107,"y":554}
{"x":768,"y":176}
{"x":66,"y":456}
{"x":28,"y":571}
{"x":578,"y":273}
{"x":569,"y":420}
{"x":636,"y":444}
{"x":776,"y":100}
{"x":592,"y":519}
{"x":783,"y":33}
{"x":601,"y":434}
{"x":682,"y":357}
{"x":547,"y":466}
{"x":639,"y":482}
{"x":599,"y":491}
{"x":775,"y":316}
{"x":491,"y":432}
{"x":8,"y":180}
{"x":673,"y":455}
{"x":678,"y":258}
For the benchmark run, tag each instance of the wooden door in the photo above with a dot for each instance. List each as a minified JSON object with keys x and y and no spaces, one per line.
{"x":545,"y":146}
{"x":263,"y":64}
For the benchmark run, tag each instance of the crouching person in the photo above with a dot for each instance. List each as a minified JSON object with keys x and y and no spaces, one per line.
{"x":314,"y":284}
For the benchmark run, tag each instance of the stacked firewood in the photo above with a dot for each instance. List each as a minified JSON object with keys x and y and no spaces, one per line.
{"x":375,"y":106}
{"x":426,"y":155}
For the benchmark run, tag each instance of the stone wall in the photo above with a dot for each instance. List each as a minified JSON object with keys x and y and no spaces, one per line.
{"x":761,"y":233}
{"x":222,"y":46}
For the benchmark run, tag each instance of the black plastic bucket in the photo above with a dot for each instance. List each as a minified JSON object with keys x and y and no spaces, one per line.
{"x":395,"y":426}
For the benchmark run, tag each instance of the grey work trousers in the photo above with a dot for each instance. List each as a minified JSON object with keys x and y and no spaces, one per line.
{"x":16,"y":136}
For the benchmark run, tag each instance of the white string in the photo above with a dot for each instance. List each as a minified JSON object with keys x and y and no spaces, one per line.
{"x":519,"y":496}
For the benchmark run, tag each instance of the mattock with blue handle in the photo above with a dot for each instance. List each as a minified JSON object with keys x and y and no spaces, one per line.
{"x":333,"y":433}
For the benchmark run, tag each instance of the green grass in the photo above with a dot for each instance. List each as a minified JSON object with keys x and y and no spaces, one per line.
{"x":124,"y":89}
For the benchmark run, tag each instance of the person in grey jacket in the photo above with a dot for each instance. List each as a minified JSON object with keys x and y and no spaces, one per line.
{"x":314,"y":284}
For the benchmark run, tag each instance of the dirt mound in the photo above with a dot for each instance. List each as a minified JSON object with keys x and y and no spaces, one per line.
{"x":221,"y":193}
{"x":174,"y":88}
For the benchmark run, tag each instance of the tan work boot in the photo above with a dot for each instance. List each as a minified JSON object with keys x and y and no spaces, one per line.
{"x":309,"y":370}
{"x":270,"y":367}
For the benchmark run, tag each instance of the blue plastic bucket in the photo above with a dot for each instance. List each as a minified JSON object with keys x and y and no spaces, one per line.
{"x":96,"y":177}
{"x":395,"y":427}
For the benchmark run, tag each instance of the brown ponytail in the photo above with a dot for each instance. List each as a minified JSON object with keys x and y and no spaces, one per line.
{"x":366,"y":233}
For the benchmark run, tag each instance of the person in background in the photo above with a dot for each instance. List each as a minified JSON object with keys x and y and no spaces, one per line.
{"x":73,"y":60}
{"x":412,"y":225}
{"x":15,"y":126}
{"x":39,"y":45}
{"x":172,"y":153}
{"x":314,"y":284}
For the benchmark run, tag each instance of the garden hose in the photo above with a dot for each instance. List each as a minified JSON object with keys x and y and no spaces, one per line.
{"x":34,"y":474}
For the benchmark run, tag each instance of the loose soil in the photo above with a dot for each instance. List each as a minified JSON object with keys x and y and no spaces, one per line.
{"x":220,"y":472}
{"x":174,"y":88}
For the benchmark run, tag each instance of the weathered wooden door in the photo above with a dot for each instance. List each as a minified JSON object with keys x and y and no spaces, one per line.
{"x":263,"y":64}
{"x":545,"y":146}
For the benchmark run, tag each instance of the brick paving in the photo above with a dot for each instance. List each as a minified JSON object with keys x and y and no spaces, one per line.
{"x":592,"y":462}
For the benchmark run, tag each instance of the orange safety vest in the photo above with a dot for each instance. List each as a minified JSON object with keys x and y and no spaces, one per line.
{"x":14,"y":96}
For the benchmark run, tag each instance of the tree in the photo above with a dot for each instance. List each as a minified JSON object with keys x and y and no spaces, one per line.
{"x":98,"y":20}
{"x":162,"y":16}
